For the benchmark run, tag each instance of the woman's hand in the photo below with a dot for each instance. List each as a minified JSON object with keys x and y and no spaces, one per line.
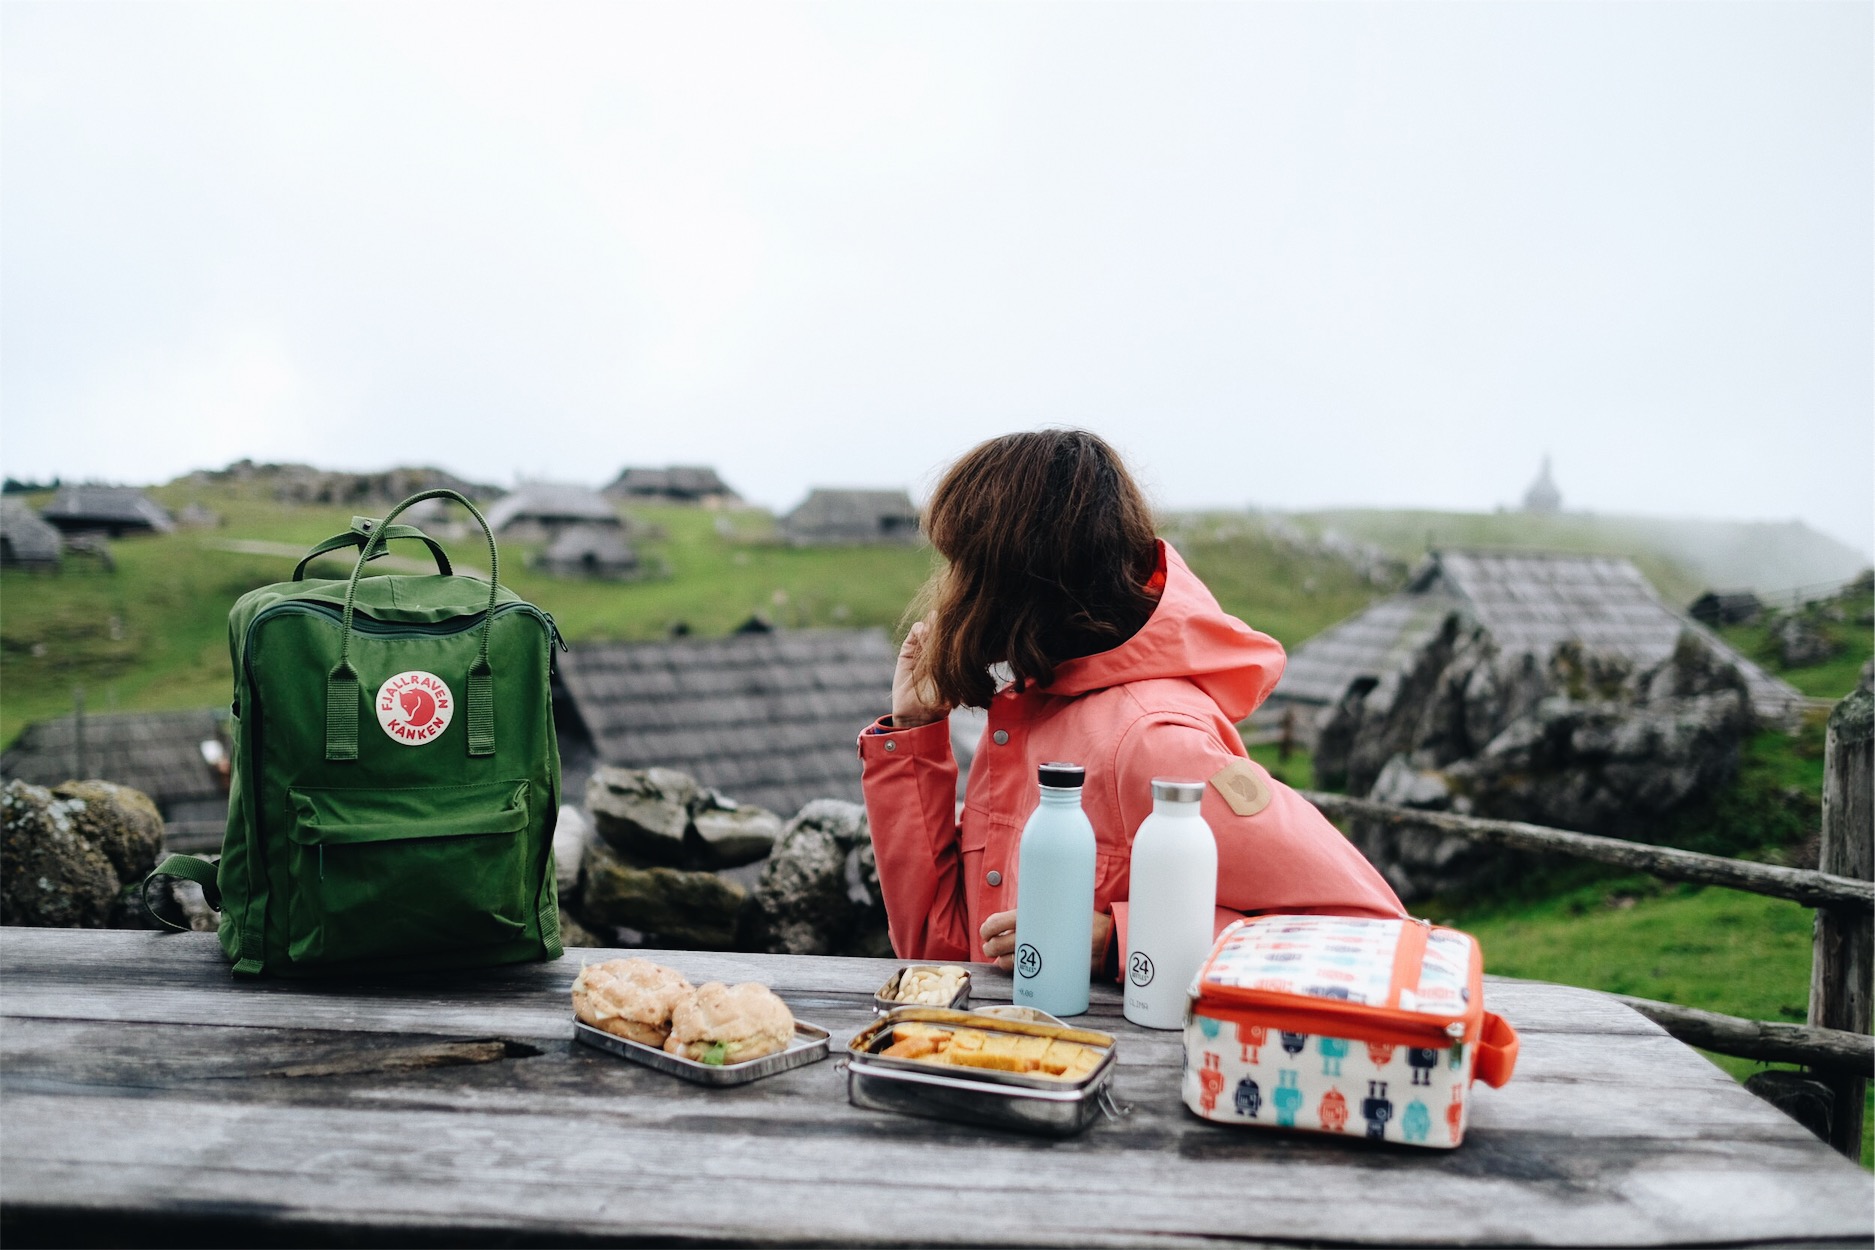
{"x":913,"y":702}
{"x":999,"y":940}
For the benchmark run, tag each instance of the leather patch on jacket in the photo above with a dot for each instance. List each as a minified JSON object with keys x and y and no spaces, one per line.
{"x":1245,"y":791}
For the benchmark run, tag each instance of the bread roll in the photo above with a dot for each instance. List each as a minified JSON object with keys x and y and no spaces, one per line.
{"x":725,"y":1024}
{"x":630,"y":998}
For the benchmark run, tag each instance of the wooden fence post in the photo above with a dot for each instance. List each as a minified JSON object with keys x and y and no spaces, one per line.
{"x":1844,"y":952}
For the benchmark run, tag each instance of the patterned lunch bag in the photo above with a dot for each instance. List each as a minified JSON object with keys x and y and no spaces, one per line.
{"x":1332,"y":1024}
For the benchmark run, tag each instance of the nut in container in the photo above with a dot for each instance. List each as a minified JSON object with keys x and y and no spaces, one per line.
{"x":925,"y":985}
{"x":980,"y":1069}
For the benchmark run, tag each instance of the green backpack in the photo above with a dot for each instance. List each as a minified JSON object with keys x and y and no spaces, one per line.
{"x":395,"y":775}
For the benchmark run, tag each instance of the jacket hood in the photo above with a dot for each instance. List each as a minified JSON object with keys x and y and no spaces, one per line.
{"x":1188,"y":635}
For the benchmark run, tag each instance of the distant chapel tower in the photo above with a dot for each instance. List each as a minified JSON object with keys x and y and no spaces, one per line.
{"x":1543,"y":497}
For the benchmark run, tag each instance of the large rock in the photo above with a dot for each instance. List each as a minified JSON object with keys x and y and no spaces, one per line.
{"x":120,"y":821}
{"x":818,"y":894}
{"x":692,"y":910}
{"x":659,"y":816}
{"x":727,"y":834}
{"x":1584,"y":742}
{"x":1800,"y":640}
{"x":571,"y":833}
{"x":70,"y":856}
{"x":643,"y":813}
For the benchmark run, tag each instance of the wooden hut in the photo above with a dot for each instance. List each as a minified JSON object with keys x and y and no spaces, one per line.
{"x":852,"y":518}
{"x":159,"y":753}
{"x":598,"y":551}
{"x":1530,"y":602}
{"x":112,"y":510}
{"x":766,"y":718}
{"x":678,"y":483}
{"x":26,"y":542}
{"x":538,"y":511}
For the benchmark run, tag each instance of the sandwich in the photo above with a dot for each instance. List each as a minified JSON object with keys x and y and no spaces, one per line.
{"x":723,"y":1024}
{"x":630,"y":998}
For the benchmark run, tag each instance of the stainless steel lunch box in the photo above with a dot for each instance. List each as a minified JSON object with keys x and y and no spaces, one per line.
{"x":809,"y":1046}
{"x":977,"y":1096}
{"x":883,"y":1001}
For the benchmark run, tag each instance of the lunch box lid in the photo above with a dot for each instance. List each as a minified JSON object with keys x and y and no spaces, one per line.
{"x":1371,"y":978}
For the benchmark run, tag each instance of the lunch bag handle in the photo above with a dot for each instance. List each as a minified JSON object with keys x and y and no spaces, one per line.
{"x":1497,"y":1051}
{"x":360,"y":533}
{"x":342,"y":683}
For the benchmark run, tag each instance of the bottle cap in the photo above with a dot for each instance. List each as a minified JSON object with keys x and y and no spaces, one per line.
{"x":1062,"y":776}
{"x":1175,"y":790}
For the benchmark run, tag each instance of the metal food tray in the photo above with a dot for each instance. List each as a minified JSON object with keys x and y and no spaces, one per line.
{"x":882,"y":1003}
{"x":983,"y":1097}
{"x":809,"y":1046}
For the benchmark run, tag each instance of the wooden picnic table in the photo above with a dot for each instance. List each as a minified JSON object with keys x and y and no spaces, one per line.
{"x":147,"y":1097}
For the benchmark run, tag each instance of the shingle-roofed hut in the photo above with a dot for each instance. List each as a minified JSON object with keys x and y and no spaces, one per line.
{"x":1529,"y":602}
{"x":850,"y":517}
{"x":590,"y":551}
{"x":159,"y":753}
{"x":768,"y":719}
{"x":537,"y":511}
{"x":679,"y":483}
{"x":26,"y":542}
{"x":113,"y":510}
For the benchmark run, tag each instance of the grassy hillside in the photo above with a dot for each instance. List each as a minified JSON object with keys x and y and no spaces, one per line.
{"x":153,"y":634}
{"x":1682,"y":558}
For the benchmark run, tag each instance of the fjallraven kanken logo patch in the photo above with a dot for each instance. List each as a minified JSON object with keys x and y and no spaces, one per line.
{"x":415,"y":707}
{"x":1246,"y":792}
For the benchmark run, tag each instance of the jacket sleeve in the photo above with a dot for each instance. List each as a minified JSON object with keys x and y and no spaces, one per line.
{"x":909,"y":779}
{"x":1276,"y":852}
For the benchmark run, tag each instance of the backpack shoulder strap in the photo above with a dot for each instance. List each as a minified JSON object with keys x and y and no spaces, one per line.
{"x":188,"y":868}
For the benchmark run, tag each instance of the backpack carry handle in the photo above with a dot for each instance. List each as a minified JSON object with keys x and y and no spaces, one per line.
{"x":360,"y":533}
{"x":342,"y":683}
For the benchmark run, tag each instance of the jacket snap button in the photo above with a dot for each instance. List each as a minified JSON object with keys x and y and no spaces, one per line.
{"x":891,"y":745}
{"x":1000,"y":737}
{"x":994,"y":877}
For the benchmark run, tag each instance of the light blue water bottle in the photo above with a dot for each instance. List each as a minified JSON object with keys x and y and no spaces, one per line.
{"x":1055,"y":897}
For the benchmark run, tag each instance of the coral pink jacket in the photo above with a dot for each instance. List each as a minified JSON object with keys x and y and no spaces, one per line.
{"x":1165,"y":703}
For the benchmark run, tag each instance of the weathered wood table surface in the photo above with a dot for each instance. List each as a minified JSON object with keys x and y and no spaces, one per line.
{"x":146,"y":1097}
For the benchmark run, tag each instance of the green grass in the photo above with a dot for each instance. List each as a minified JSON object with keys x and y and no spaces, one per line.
{"x":1833,"y":678}
{"x":1718,"y":950}
{"x":1286,"y":591}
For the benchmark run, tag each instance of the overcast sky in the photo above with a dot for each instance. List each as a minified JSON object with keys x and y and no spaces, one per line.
{"x":1285,"y":254}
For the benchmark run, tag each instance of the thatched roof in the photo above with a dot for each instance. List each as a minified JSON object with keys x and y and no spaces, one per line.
{"x":116,"y":509}
{"x":768,"y":719}
{"x":685,"y":483}
{"x":1530,"y":602}
{"x":852,"y":516}
{"x":25,"y":540}
{"x":551,"y":503}
{"x":159,"y":753}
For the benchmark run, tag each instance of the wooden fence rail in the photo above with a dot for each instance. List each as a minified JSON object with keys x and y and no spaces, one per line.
{"x":1802,"y":885}
{"x":1836,"y":1050}
{"x":1834,"y":1043}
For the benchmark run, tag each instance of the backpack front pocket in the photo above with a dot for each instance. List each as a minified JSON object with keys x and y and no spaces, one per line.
{"x":380,"y":873}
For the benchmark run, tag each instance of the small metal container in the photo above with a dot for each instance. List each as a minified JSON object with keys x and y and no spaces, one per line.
{"x":809,"y":1046}
{"x":1027,"y":1104}
{"x":883,"y":1001}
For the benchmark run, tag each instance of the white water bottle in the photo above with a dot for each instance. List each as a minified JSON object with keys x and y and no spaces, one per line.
{"x":1171,"y":902}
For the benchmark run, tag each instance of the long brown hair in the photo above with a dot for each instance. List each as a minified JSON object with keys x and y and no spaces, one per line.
{"x":1049,"y":546}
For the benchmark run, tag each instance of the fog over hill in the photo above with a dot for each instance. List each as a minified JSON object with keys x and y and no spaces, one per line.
{"x":1682,"y":556}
